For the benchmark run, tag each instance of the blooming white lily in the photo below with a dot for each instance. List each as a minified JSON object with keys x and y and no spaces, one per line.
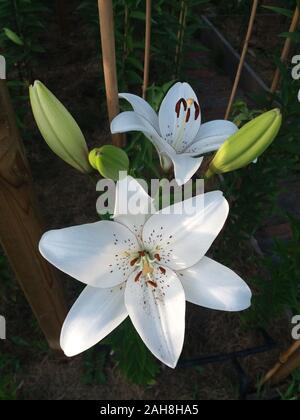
{"x":176,"y":132}
{"x":145,"y":266}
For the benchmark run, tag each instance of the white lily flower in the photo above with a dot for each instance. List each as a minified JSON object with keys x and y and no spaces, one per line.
{"x":145,"y":266}
{"x":176,"y":132}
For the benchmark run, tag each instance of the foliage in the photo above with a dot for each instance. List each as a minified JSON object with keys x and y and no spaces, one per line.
{"x":172,"y":39}
{"x":93,"y":366}
{"x":21,"y":34}
{"x":292,"y":393}
{"x":277,"y":285}
{"x":254,"y":193}
{"x":133,"y":358}
{"x":22,"y":24}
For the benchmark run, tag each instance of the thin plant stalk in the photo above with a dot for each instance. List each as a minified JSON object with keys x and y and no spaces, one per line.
{"x":288,"y":362}
{"x":285,"y":51}
{"x":243,"y":57}
{"x":147,"y":47}
{"x":179,"y":35}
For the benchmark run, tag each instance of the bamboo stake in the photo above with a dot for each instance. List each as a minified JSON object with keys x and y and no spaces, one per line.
{"x":286,"y":51}
{"x":243,"y":57}
{"x":288,"y":362}
{"x":21,"y":229}
{"x":147,"y":47}
{"x":179,"y":34}
{"x":109,"y":63}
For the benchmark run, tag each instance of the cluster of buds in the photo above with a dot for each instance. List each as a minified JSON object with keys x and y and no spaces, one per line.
{"x":65,"y":138}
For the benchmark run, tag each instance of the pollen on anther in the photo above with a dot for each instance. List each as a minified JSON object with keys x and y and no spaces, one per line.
{"x":138,"y":276}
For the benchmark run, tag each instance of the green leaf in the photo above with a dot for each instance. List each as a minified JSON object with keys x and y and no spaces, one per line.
{"x":13,"y":36}
{"x":294,"y":36}
{"x":280,"y":10}
{"x":134,"y":359}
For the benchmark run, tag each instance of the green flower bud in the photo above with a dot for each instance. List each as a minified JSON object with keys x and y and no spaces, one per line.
{"x":109,"y":161}
{"x":245,"y":146}
{"x":58,"y":127}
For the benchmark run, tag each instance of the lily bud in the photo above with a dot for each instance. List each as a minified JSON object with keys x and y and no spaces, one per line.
{"x":109,"y":161}
{"x":247,"y":144}
{"x":58,"y":128}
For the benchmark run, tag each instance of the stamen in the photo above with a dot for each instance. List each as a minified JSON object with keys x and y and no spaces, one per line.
{"x":138,"y":276}
{"x":157,"y":257}
{"x":152,"y":283}
{"x":142,"y":253}
{"x":178,"y":106}
{"x":197,"y":110}
{"x":163,"y":270}
{"x":133,"y":262}
{"x":188,"y":115}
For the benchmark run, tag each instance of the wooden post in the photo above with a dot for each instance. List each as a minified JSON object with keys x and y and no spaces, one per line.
{"x":286,"y":50}
{"x":147,"y":47}
{"x":109,"y":63}
{"x":243,"y":57}
{"x":21,"y":229}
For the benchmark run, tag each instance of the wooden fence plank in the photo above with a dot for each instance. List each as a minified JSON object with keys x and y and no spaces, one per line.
{"x":21,"y":228}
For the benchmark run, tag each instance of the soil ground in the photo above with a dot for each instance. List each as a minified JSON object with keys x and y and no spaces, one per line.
{"x":72,"y":71}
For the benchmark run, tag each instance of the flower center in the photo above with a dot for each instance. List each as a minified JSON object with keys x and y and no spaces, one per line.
{"x":187,"y":105}
{"x":145,"y":262}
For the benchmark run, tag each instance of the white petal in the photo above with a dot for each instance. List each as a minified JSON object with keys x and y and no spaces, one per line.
{"x":214,"y":286}
{"x":93,"y":316}
{"x":141,"y":107}
{"x":133,"y":205}
{"x":185,"y":167}
{"x":97,"y":254}
{"x":158,"y":313}
{"x":183,"y":233}
{"x":175,"y":130}
{"x":211,"y":136}
{"x":131,"y":121}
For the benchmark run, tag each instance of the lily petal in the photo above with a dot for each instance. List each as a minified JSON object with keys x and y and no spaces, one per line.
{"x":157,"y":311}
{"x":93,"y":316}
{"x":178,"y":126}
{"x":141,"y":107}
{"x":211,"y":136}
{"x":131,"y":121}
{"x":214,"y":286}
{"x":185,"y":167}
{"x":138,"y":205}
{"x":96,"y":254}
{"x":183,"y":233}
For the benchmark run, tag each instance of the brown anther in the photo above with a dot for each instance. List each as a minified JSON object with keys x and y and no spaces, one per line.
{"x":138,"y":276}
{"x":133,"y":262}
{"x":163,"y":270}
{"x":157,"y":257}
{"x":152,"y":283}
{"x":178,"y":106}
{"x":142,"y":254}
{"x":197,"y":110}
